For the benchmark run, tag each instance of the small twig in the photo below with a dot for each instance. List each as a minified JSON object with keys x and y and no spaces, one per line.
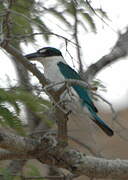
{"x":7,"y":22}
{"x":114,"y":114}
{"x":70,"y":82}
{"x":85,"y":146}
{"x":77,"y":41}
{"x":72,"y":58}
{"x":56,"y":103}
{"x":114,"y":117}
{"x":41,"y":33}
{"x":93,"y":10}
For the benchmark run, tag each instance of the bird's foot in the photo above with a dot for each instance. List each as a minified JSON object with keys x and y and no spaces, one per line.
{"x":68,"y":113}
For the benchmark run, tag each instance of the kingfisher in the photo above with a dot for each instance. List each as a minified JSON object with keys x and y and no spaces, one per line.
{"x":57,"y":70}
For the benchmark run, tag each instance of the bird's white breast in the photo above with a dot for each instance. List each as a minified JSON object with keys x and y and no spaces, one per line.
{"x":51,"y":70}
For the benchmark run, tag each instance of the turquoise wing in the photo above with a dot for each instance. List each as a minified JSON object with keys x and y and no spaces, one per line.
{"x":83,"y":93}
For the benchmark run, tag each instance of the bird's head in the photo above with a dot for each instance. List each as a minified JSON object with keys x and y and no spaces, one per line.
{"x":44,"y":54}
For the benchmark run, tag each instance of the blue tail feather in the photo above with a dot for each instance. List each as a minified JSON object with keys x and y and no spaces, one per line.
{"x":84,"y":96}
{"x":83,"y":93}
{"x":101,"y":123}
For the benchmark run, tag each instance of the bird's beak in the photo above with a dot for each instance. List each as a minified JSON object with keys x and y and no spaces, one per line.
{"x":33,"y":56}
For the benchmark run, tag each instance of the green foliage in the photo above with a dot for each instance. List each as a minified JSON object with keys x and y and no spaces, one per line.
{"x":6,"y":97}
{"x":22,"y":19}
{"x":89,"y":20}
{"x":7,"y":175}
{"x":99,"y":84}
{"x":25,"y":16}
{"x":20,"y":25}
{"x":60,"y":16}
{"x":42,"y":27}
{"x":1,"y":6}
{"x":10,"y":107}
{"x":81,"y":8}
{"x":34,"y":171}
{"x":9,"y":118}
{"x":70,"y":8}
{"x":23,"y":6}
{"x":102,"y":13}
{"x":35,"y":103}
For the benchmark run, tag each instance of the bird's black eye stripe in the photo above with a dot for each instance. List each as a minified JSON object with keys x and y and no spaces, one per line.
{"x":46,"y":52}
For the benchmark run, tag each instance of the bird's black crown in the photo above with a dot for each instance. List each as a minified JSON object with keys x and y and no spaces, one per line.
{"x":49,"y":51}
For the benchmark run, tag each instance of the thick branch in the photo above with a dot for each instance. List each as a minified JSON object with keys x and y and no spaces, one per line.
{"x":97,"y":167}
{"x":46,"y":150}
{"x":80,"y":164}
{"x":16,"y":143}
{"x":119,"y":50}
{"x":5,"y":154}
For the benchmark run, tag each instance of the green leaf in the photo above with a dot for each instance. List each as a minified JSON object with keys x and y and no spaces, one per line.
{"x":20,"y":25}
{"x":71,"y":9}
{"x":11,"y":98}
{"x":31,"y":100}
{"x":7,"y":175}
{"x":34,"y":171}
{"x":42,"y":27}
{"x":23,"y":6}
{"x":83,"y":25}
{"x":8,"y":118}
{"x":102,"y":13}
{"x":1,"y":7}
{"x":99,"y":84}
{"x":60,"y":16}
{"x":89,"y":20}
{"x":5,"y":96}
{"x":36,"y":104}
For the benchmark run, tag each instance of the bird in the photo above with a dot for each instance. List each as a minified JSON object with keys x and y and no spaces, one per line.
{"x":57,"y":70}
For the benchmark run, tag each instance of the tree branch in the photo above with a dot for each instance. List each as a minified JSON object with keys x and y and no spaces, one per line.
{"x":16,"y":143}
{"x":114,"y":114}
{"x":46,"y":151}
{"x":119,"y":50}
{"x":7,"y":21}
{"x":7,"y":155}
{"x":80,"y":164}
{"x":77,"y":40}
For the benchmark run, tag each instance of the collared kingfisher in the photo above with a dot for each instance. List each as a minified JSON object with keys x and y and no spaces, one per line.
{"x":57,"y":70}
